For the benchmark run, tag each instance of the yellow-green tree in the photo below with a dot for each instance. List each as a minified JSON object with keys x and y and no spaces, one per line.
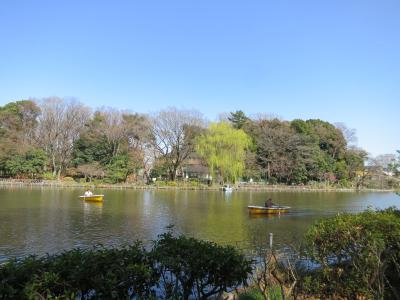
{"x":224,"y":150}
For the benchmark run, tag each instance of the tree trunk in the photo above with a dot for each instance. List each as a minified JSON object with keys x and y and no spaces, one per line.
{"x":172,"y":174}
{"x":54,"y":165}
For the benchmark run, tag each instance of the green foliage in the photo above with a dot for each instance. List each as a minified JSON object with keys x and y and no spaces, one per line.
{"x":113,"y":144}
{"x":172,"y":183}
{"x":92,"y":145}
{"x":224,"y":149}
{"x":329,"y":138}
{"x":18,"y":116}
{"x":31,"y":164}
{"x":194,"y":182}
{"x":130,"y":272}
{"x":238,"y":119}
{"x":17,"y":123}
{"x":355,"y":159}
{"x":101,"y":273}
{"x":342,"y":170}
{"x":356,"y":255}
{"x":88,"y":149}
{"x":303,"y":127}
{"x":255,"y":294}
{"x":68,"y":179}
{"x":251,"y":294}
{"x":199,"y":268}
{"x":48,"y":176}
{"x":118,"y":169}
{"x":159,"y":170}
{"x":301,"y":151}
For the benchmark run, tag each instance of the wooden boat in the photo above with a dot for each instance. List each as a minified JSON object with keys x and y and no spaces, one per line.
{"x":275,"y":209}
{"x":95,"y":198}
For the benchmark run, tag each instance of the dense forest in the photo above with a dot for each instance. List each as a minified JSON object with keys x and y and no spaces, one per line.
{"x":55,"y":138}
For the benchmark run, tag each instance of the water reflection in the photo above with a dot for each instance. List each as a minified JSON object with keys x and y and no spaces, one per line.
{"x":41,"y":220}
{"x":265,"y":216}
{"x":92,"y":206}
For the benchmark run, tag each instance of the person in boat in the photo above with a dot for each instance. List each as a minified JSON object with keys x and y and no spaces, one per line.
{"x":88,"y":193}
{"x":269,"y":203}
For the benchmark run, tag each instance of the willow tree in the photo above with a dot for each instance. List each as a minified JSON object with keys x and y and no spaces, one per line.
{"x":224,"y":150}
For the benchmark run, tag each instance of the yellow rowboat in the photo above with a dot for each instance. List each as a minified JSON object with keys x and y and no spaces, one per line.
{"x":95,"y":198}
{"x":268,"y":210}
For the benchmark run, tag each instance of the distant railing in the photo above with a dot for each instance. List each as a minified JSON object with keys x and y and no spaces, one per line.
{"x":22,"y":181}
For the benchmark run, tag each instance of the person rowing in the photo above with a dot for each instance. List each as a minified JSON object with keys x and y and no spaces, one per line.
{"x":88,"y":193}
{"x":269,"y":203}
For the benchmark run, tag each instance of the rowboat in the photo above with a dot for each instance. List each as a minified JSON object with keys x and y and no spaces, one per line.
{"x":275,"y":209}
{"x":95,"y":198}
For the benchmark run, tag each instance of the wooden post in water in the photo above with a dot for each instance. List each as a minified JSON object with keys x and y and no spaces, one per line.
{"x":271,"y":237}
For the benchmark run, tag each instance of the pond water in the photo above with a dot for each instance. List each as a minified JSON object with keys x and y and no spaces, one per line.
{"x":46,"y":220}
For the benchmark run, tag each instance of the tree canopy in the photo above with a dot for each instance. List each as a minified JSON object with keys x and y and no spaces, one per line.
{"x":65,"y":138}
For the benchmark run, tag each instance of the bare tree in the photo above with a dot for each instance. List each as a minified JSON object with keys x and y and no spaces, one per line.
{"x":91,"y":170}
{"x":59,"y":127}
{"x":173,"y":134}
{"x":349,"y":134}
{"x":18,"y":121}
{"x":112,"y":127}
{"x":141,"y":148}
{"x":263,"y":116}
{"x":223,"y":117}
{"x":382,"y":162}
{"x":121,"y":128}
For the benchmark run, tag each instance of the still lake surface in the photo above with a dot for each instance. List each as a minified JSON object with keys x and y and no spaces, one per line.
{"x":47,"y":220}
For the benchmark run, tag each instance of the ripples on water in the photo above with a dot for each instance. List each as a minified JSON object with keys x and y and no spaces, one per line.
{"x":44,"y":220}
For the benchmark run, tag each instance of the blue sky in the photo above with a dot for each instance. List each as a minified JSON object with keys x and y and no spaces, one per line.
{"x":334,"y":60}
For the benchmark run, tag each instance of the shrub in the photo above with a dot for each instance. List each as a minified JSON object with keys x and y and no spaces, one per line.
{"x":118,"y":169}
{"x":194,"y":182}
{"x":251,"y":294}
{"x":344,"y":183}
{"x":68,"y":179}
{"x":129,"y":272}
{"x":192,"y":267}
{"x":354,"y":255}
{"x":255,"y":294}
{"x":160,"y":183}
{"x":101,"y":273}
{"x":48,"y":176}
{"x":30,"y":164}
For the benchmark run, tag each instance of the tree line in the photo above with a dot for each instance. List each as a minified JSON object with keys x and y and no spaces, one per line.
{"x":54,"y":138}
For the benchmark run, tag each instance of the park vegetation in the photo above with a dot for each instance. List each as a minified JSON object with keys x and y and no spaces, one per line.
{"x":342,"y":257}
{"x":174,"y":268}
{"x":55,"y":138}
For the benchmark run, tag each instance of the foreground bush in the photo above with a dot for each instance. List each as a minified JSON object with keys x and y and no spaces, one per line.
{"x":198,"y":268}
{"x":100,"y":273}
{"x":353,"y":256}
{"x":201,"y":269}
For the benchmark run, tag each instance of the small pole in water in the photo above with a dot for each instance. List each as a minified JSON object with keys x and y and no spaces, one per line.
{"x":271,"y":236}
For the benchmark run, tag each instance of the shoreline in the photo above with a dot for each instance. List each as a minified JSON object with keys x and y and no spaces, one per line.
{"x":183,"y":186}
